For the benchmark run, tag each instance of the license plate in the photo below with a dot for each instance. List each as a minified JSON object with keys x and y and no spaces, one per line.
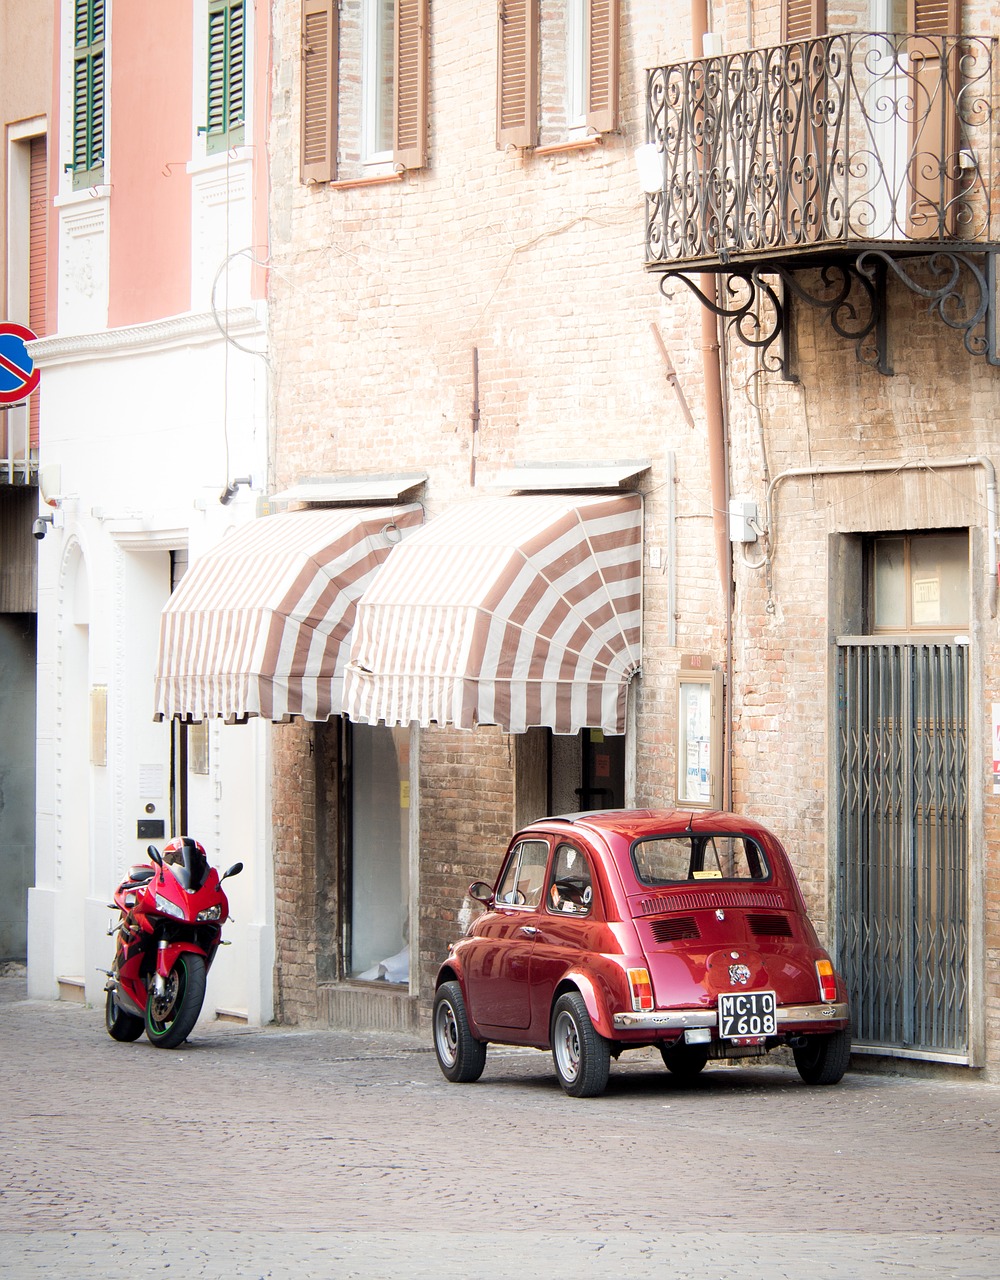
{"x":747,"y":1013}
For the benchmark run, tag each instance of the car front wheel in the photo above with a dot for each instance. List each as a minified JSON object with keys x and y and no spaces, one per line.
{"x":824,"y":1059}
{"x":460,"y":1055}
{"x":582,"y":1057}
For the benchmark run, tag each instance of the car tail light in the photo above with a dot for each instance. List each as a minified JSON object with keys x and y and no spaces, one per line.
{"x":642,"y":989}
{"x":827,"y":980}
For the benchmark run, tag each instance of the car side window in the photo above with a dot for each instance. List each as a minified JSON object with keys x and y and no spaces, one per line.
{"x":571,"y":886}
{"x":524,"y":875}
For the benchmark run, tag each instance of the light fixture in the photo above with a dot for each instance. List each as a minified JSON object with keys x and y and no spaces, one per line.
{"x":649,"y":162}
{"x":229,"y":492}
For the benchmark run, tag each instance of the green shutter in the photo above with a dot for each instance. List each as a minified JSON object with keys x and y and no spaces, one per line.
{"x":87,"y":162}
{"x":224,"y":127}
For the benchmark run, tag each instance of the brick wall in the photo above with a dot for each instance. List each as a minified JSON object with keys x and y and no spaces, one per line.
{"x":379,"y":296}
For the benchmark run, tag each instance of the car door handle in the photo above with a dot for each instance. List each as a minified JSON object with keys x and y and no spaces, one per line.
{"x":529,"y":930}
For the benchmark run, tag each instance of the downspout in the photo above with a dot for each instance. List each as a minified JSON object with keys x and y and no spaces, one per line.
{"x":711,"y":363}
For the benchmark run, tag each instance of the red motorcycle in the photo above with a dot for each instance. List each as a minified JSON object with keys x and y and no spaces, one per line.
{"x":169,"y":930}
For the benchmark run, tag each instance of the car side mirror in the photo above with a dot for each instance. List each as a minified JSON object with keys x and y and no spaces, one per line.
{"x":482,"y":892}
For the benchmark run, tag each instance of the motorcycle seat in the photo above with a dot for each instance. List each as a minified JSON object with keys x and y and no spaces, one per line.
{"x":141,"y":875}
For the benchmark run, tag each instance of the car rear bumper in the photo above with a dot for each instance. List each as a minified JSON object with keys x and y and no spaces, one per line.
{"x":681,"y":1019}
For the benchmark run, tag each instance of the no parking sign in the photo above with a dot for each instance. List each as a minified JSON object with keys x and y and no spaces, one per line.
{"x":18,"y":375}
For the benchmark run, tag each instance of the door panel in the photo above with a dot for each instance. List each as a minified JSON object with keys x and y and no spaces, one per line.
{"x":903,"y":843}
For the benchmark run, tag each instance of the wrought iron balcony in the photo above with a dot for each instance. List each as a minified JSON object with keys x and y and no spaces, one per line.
{"x":856,"y":153}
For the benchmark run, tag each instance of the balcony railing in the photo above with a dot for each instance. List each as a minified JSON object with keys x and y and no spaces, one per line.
{"x":18,"y":457}
{"x":780,"y":155}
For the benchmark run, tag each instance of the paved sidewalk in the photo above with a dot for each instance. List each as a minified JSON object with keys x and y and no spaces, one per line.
{"x":286,"y":1153}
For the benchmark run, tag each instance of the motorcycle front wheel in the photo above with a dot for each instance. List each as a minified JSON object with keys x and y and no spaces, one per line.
{"x":170,"y":1018}
{"x":121,"y":1025}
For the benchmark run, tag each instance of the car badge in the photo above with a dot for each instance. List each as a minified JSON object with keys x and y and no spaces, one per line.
{"x":720,"y":914}
{"x":739,"y":973}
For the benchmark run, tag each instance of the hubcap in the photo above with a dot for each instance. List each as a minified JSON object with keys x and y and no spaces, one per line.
{"x":567,"y":1046}
{"x":447,"y":1033}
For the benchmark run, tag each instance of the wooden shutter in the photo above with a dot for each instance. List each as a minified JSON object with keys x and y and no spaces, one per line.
{"x":803,"y":20}
{"x":933,"y":183}
{"x":318,"y":113}
{"x":602,"y":65}
{"x":934,"y":17}
{"x":88,"y":92}
{"x":517,"y":73}
{"x":409,"y":139}
{"x":226,"y":56}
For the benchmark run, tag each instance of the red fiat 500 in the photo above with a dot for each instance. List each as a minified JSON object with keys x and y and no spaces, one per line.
{"x":628,"y":928}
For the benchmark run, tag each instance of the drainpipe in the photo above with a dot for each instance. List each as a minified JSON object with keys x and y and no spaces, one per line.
{"x":715,"y":429}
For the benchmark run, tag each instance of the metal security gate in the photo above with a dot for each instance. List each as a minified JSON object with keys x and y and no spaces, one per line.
{"x":902,"y":843}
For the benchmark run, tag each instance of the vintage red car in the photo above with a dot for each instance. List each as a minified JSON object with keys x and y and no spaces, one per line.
{"x":628,"y":928}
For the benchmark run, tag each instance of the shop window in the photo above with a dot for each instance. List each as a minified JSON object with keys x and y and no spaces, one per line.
{"x":919,"y":582}
{"x":364,"y":88}
{"x":378,"y":855}
{"x":557,"y":71}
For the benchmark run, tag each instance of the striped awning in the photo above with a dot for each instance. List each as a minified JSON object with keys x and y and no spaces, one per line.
{"x":261,"y":624}
{"x":516,"y":611}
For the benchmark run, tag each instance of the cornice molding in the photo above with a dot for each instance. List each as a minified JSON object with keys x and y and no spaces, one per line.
{"x":203,"y":327}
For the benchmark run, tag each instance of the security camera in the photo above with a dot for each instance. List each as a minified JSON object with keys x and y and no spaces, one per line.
{"x":39,"y":527}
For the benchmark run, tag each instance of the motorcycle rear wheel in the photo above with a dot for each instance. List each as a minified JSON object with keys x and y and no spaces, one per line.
{"x":121,"y":1025}
{"x":170,"y":1018}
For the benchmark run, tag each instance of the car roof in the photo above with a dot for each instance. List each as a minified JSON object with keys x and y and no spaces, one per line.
{"x":636,"y":824}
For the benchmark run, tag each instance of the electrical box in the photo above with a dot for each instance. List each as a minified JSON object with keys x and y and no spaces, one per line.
{"x":742,"y":518}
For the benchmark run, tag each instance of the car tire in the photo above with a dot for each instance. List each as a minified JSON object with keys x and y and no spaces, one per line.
{"x":460,"y":1055}
{"x":684,"y":1061}
{"x":582,"y":1057}
{"x":824,"y":1059}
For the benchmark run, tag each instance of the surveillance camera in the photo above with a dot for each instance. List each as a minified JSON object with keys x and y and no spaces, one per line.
{"x":39,"y":527}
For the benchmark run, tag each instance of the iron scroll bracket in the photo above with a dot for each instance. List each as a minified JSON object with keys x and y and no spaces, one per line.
{"x":851,"y":294}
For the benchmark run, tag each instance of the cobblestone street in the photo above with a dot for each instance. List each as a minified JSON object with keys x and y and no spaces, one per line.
{"x":277,"y":1152}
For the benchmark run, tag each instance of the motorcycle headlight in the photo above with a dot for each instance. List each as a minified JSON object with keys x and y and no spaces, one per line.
{"x":210,"y":913}
{"x":169,"y":908}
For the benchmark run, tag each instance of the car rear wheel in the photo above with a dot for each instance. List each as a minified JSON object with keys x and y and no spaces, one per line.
{"x":582,"y":1057}
{"x":824,"y":1059}
{"x":460,"y":1055}
{"x":684,"y":1061}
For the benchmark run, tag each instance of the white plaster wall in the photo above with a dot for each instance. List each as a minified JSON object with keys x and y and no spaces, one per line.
{"x":146,"y":426}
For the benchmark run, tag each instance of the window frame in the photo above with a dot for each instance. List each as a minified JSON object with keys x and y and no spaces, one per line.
{"x":909,"y":627}
{"x":518,"y":86}
{"x":320,"y":87}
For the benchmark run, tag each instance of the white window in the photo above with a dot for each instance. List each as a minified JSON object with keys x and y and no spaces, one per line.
{"x":377,"y":75}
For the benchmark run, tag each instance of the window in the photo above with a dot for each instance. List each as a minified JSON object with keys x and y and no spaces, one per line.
{"x":364,"y":88}
{"x":87,"y":163}
{"x":676,"y":859}
{"x":919,"y":581}
{"x":557,"y":70}
{"x":524,"y":875}
{"x":571,"y":886}
{"x":226,"y":76}
{"x":378,"y":871}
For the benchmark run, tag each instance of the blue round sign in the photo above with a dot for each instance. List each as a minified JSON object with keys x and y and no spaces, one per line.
{"x":18,"y":375}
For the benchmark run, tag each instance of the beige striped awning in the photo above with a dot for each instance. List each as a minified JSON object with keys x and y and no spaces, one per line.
{"x":261,"y":624}
{"x":515,"y":611}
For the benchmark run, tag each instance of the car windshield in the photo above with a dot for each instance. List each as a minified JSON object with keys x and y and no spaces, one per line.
{"x":694,"y":856}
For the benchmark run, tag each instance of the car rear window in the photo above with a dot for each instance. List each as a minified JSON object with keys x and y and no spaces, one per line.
{"x":695,"y":856}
